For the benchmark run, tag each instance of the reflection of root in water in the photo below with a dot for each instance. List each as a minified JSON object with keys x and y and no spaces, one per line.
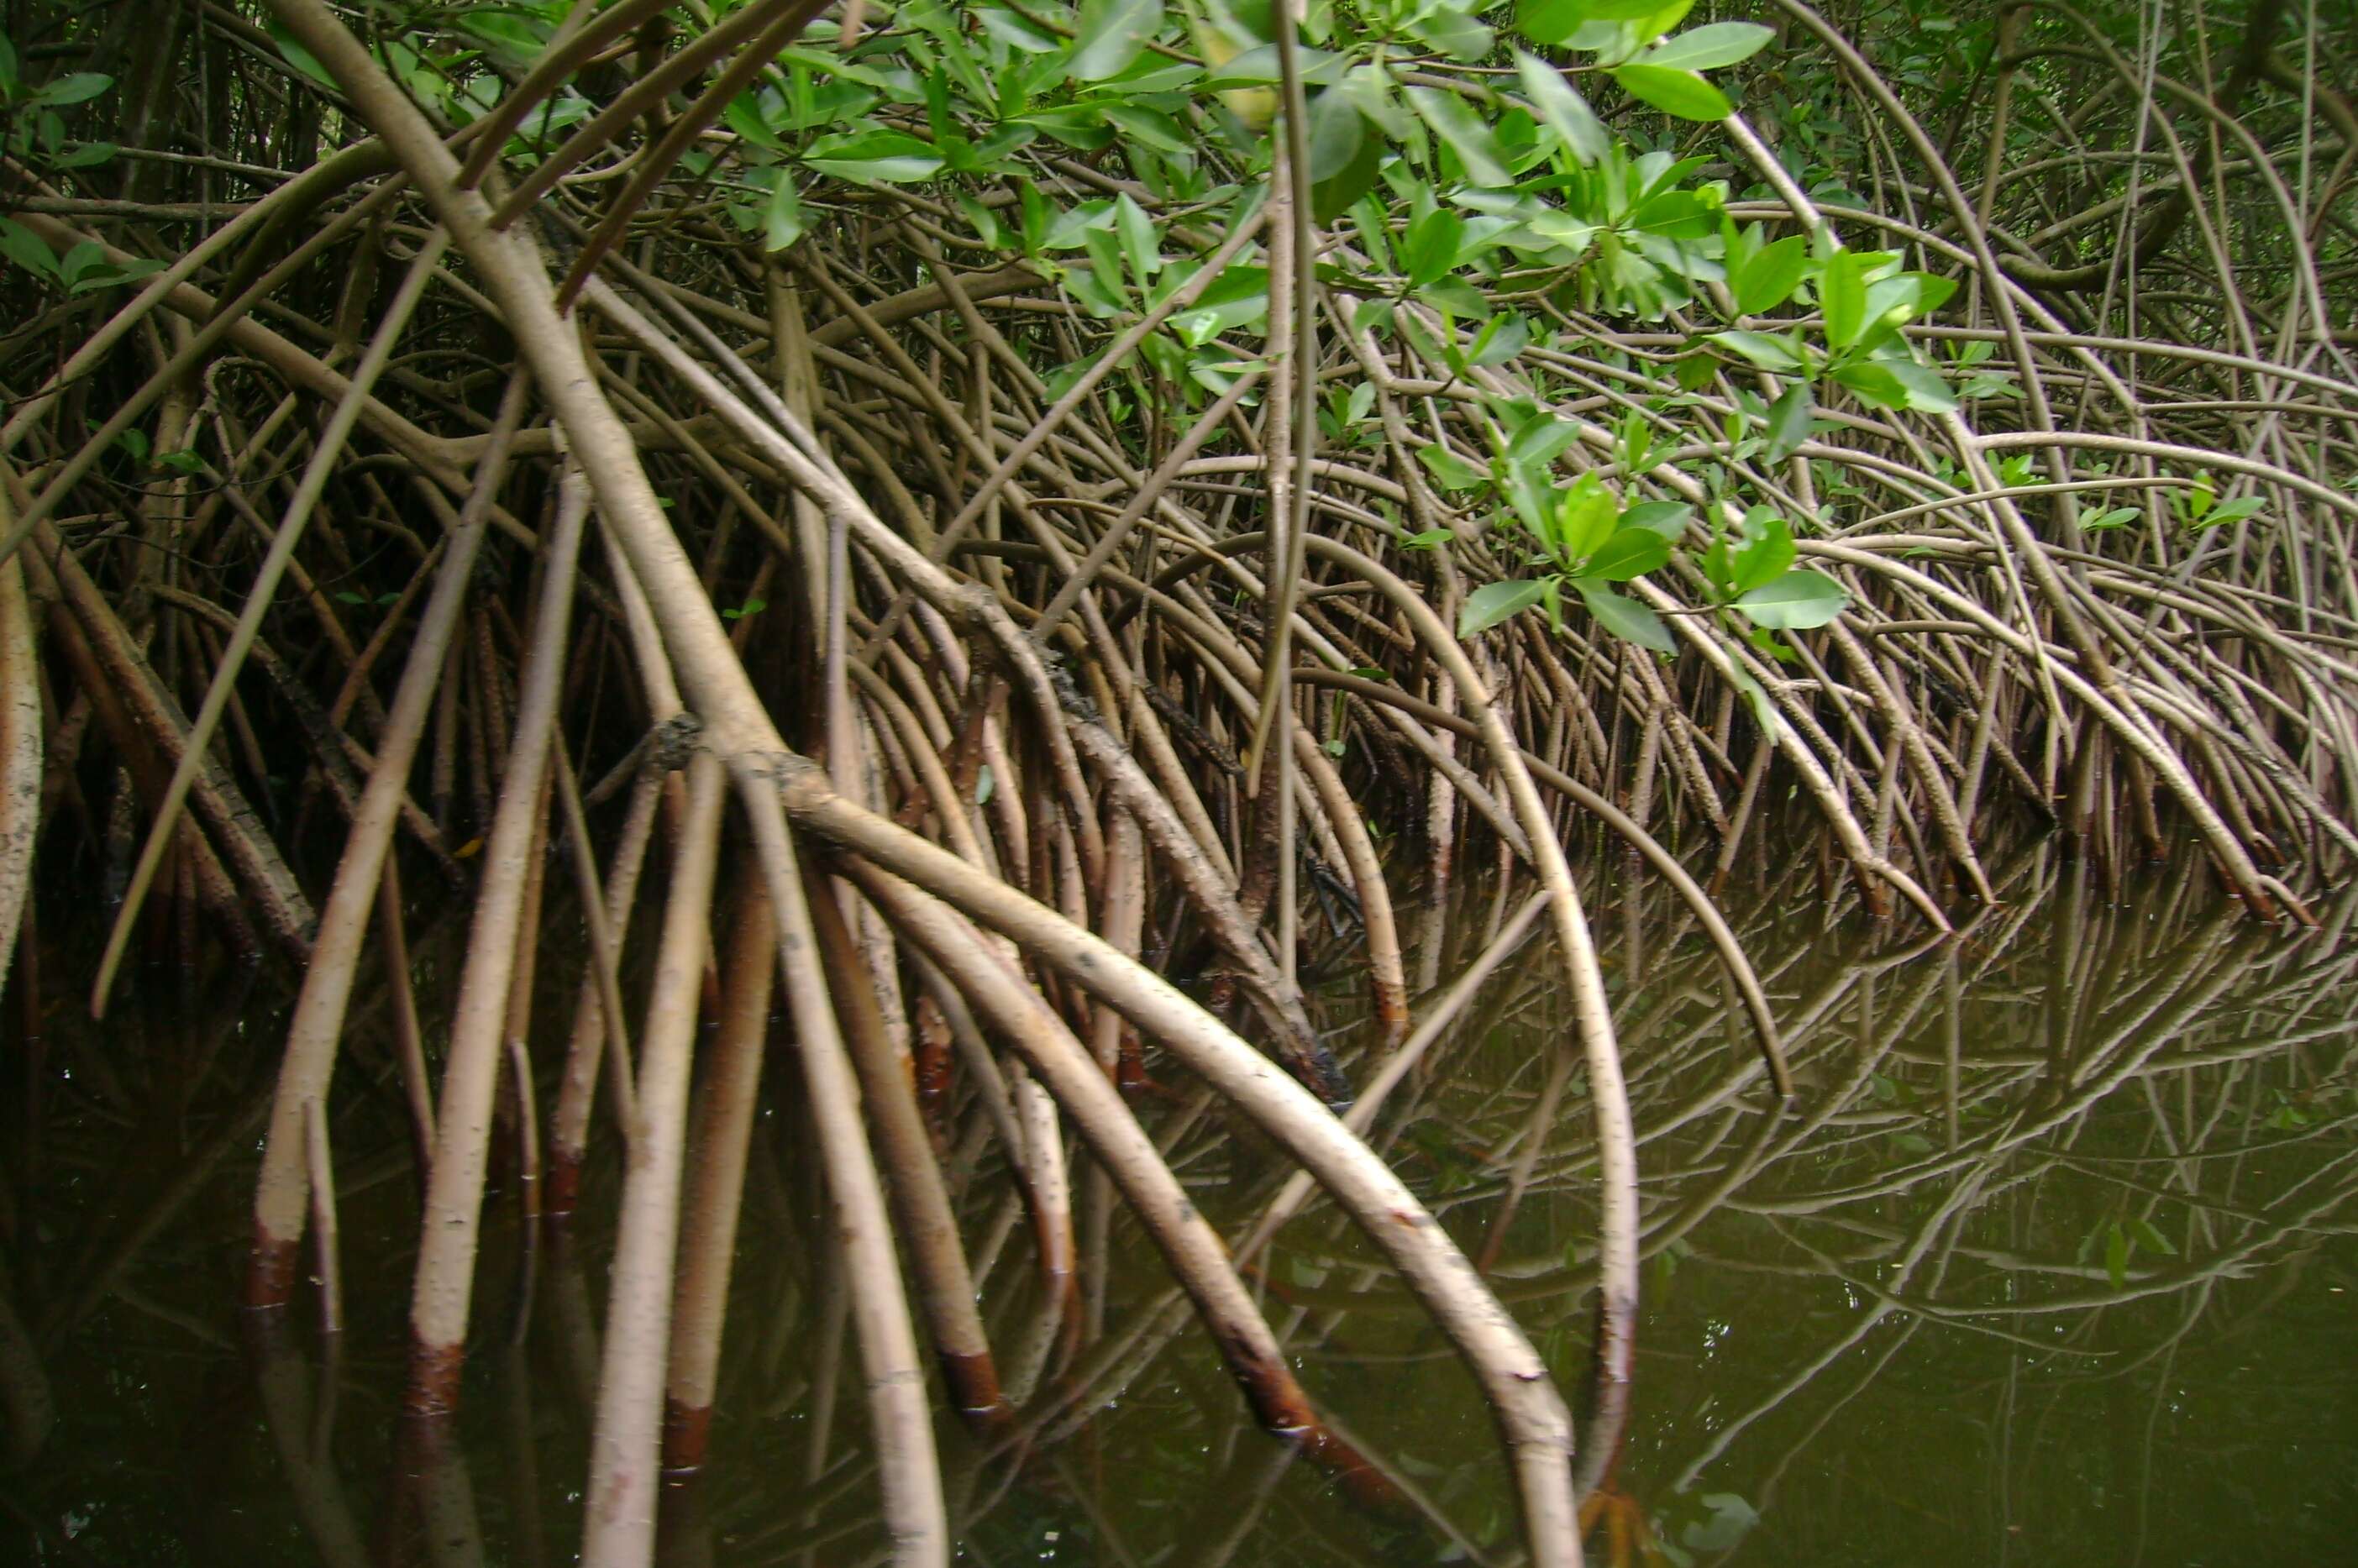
{"x":1628,"y":1537}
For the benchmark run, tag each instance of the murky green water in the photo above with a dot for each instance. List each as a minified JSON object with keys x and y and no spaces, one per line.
{"x":2052,"y":1265}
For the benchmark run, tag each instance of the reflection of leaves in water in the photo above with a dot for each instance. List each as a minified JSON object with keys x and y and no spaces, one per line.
{"x":2003,"y":1229}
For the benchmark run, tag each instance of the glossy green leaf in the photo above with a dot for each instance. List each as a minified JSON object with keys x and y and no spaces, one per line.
{"x":1453,"y":32}
{"x":1501,"y":339}
{"x":1667,"y":518}
{"x":77,"y":87}
{"x":875,"y":158}
{"x":1767,"y":551}
{"x":1768,"y":353}
{"x":1842,"y":296}
{"x":1625,"y":618}
{"x":1463,"y":132}
{"x":1561,"y":108}
{"x":1537,"y":440}
{"x":1553,"y":21}
{"x":1674,"y":92}
{"x":1337,"y":130}
{"x":1109,"y":34}
{"x":2117,"y":1256}
{"x":1151,"y":127}
{"x":1494,"y":602}
{"x":1257,"y":67}
{"x":2094,"y":519}
{"x":1897,"y":383}
{"x":1449,"y":470}
{"x":1017,"y":33}
{"x":1788,"y":422}
{"x":1585,"y":517}
{"x":1630,"y":551}
{"x":1795,"y":601}
{"x":21,"y":245}
{"x":1429,"y":248}
{"x":1769,"y":278}
{"x":782,"y":216}
{"x":1711,"y":45}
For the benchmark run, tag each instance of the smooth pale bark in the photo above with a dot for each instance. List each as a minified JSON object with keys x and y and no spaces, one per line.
{"x":282,"y":1194}
{"x":20,"y":751}
{"x":445,"y":1284}
{"x":928,"y":1226}
{"x":725,"y":1107}
{"x":617,"y":1530}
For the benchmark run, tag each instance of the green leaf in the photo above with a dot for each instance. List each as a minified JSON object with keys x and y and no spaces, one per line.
{"x":1768,"y":353}
{"x":1494,"y":602}
{"x":1563,"y":109}
{"x":302,"y":59}
{"x":1449,"y":470}
{"x":81,"y":259}
{"x":1257,"y":67}
{"x":1632,"y":552}
{"x":1455,"y":33}
{"x":1764,"y":706}
{"x":1766,"y":553}
{"x":1796,"y":602}
{"x":1553,"y":21}
{"x":80,"y":87}
{"x":1463,"y":132}
{"x":2094,"y":519}
{"x":873,"y":158}
{"x":1016,"y":33}
{"x":1667,"y":518}
{"x":1585,"y":517}
{"x":1151,"y":127}
{"x":1337,"y":130}
{"x":1927,"y":392}
{"x":27,"y":250}
{"x":1709,"y":47}
{"x":1897,"y":383}
{"x":782,"y":216}
{"x":1427,"y":539}
{"x":1110,"y":34}
{"x":1429,"y":248}
{"x":1769,"y":278}
{"x":1503,"y":337}
{"x":2143,"y":1233}
{"x":1674,"y":92}
{"x":1540,"y":439}
{"x":1788,"y":422}
{"x":2117,"y":1256}
{"x":1141,"y":246}
{"x":2233,"y":511}
{"x":1842,"y":296}
{"x":1625,"y":618}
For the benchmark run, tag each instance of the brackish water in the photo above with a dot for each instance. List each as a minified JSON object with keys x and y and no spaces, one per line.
{"x":2052,"y":1263}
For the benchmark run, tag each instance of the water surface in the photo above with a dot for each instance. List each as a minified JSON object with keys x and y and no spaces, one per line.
{"x":2051,"y":1263}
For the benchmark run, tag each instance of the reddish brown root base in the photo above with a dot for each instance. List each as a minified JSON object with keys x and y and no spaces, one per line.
{"x":560,"y":1186}
{"x":973,"y":1382}
{"x":686,"y":1437}
{"x":270,"y":1271}
{"x":1366,"y":1485}
{"x":434,"y":1371}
